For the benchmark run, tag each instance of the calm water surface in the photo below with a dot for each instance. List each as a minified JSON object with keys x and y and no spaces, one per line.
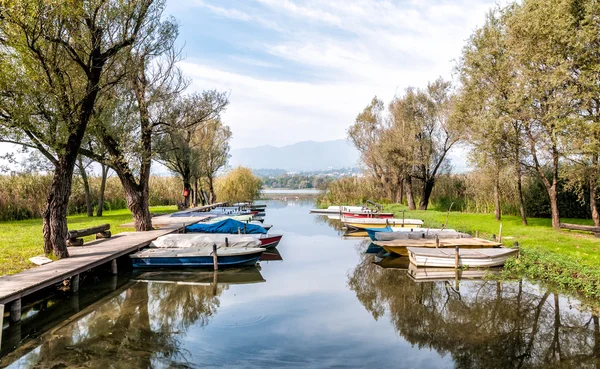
{"x":325,"y":304}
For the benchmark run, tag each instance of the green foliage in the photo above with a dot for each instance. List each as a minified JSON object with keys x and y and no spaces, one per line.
{"x":21,"y":240}
{"x":568,"y":259}
{"x":351,"y":191}
{"x":239,"y":185}
{"x":298,"y":181}
{"x":20,"y":194}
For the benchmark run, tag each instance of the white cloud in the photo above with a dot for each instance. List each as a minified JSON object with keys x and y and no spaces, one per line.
{"x":331,"y":58}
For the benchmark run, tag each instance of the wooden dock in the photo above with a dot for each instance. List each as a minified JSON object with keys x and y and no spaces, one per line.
{"x":82,"y":258}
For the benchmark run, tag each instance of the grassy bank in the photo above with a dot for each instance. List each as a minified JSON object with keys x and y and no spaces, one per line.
{"x":20,"y":240}
{"x":570,"y":260}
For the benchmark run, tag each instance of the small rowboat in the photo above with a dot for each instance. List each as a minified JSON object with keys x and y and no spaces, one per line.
{"x":195,"y":257}
{"x":391,"y":231}
{"x":446,"y":258}
{"x":400,"y":247}
{"x":270,"y":240}
{"x":361,"y":224}
{"x":337,"y":209}
{"x":367,"y":214}
{"x":420,"y":235}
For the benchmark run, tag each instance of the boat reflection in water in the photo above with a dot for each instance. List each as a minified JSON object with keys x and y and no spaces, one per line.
{"x":272,"y":254}
{"x":485,"y":323}
{"x":140,"y":325}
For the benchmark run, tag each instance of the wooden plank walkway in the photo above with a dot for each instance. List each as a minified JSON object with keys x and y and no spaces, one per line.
{"x":82,"y":258}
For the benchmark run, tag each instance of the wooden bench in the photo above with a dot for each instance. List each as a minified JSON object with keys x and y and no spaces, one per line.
{"x":579,"y":227}
{"x":74,"y":236}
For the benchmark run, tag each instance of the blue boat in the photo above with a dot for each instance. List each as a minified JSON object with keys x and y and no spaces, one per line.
{"x":372,"y":231}
{"x":193,"y":257}
{"x":227,"y":226}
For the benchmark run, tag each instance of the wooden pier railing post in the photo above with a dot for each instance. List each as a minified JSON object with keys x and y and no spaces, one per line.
{"x":113,"y":267}
{"x":75,"y":284}
{"x":215,"y":257}
{"x":456,"y":257}
{"x":15,"y":311}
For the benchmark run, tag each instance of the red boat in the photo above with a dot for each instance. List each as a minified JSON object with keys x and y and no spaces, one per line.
{"x":367,"y":214}
{"x":270,"y":240}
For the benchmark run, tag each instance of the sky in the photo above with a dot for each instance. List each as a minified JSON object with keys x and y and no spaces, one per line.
{"x":302,"y":70}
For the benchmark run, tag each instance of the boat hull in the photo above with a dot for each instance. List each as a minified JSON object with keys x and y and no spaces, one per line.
{"x":196,"y":261}
{"x":269,"y":241}
{"x":349,"y":214}
{"x":477,"y":258}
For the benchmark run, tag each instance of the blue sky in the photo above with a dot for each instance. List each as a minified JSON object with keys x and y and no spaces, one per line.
{"x":302,"y":70}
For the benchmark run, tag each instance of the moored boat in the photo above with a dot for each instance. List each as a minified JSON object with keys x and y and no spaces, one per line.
{"x":361,"y":224}
{"x":372,"y":232}
{"x":400,"y":247}
{"x":337,"y":209}
{"x":420,"y":235}
{"x":367,"y":214}
{"x":196,"y":240}
{"x":195,"y":257}
{"x":446,"y":258}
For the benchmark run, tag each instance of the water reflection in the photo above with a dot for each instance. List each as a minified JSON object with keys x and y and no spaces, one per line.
{"x":139,"y":327}
{"x":485,"y":324}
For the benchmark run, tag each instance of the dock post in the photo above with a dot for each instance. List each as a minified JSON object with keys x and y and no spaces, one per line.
{"x":215,"y":259}
{"x":500,"y":234}
{"x":183,"y":229}
{"x":75,"y":284}
{"x":437,"y":241}
{"x":226,"y":242}
{"x":403,"y":218}
{"x":476,"y":234}
{"x":1,"y":323}
{"x":456,"y":257}
{"x":113,"y":267}
{"x":245,"y":230}
{"x":215,"y":282}
{"x":15,"y":311}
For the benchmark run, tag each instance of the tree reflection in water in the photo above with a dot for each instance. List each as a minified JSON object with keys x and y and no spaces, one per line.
{"x":485,"y":324}
{"x":140,"y":328}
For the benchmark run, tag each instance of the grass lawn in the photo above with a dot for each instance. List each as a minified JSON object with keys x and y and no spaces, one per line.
{"x":20,"y":240}
{"x":566,"y":258}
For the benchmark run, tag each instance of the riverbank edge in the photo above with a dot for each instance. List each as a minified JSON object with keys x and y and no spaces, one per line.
{"x":553,"y":257}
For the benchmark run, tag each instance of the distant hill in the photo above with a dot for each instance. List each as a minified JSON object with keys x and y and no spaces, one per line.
{"x":300,"y":157}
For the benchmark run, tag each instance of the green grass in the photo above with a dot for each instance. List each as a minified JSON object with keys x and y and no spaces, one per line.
{"x":567,"y":259}
{"x":21,"y":240}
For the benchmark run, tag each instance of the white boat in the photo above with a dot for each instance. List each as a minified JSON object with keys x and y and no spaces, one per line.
{"x":446,"y":257}
{"x":420,"y":234}
{"x":198,"y":240}
{"x":338,"y":209}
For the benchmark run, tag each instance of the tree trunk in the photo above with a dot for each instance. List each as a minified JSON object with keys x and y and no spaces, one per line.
{"x":520,"y":188}
{"x":187,"y":186}
{"x":553,"y":194}
{"x":409,"y":194}
{"x":137,"y":203}
{"x":195,"y":192}
{"x":212,"y":197}
{"x":497,"y":211}
{"x":400,"y":191}
{"x":102,"y":190}
{"x":593,"y":191}
{"x":86,"y":188}
{"x":427,"y":188}
{"x":55,"y":215}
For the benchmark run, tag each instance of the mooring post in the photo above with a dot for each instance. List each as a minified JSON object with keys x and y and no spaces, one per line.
{"x":15,"y":311}
{"x":113,"y":267}
{"x":476,"y":234}
{"x":75,"y":284}
{"x":183,"y":229}
{"x":402,"y":218}
{"x":1,"y":323}
{"x":215,"y":259}
{"x":500,"y":234}
{"x":226,"y":242}
{"x":456,"y":257}
{"x":215,"y":282}
{"x":245,"y":230}
{"x":437,"y":241}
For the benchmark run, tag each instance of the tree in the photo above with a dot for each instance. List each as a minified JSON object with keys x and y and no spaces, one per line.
{"x":136,"y":112}
{"x":239,"y":185}
{"x":213,"y":144}
{"x":542,"y":35}
{"x":56,"y":59}
{"x":436,"y":134}
{"x":192,"y":147}
{"x":82,"y":168}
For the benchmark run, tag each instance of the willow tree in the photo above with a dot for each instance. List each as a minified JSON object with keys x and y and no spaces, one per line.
{"x":136,"y":113}
{"x":488,"y":77}
{"x":56,"y":59}
{"x":193,"y":144}
{"x":239,"y":185}
{"x":542,"y":36}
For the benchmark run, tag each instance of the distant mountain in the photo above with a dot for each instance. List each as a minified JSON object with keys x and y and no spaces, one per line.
{"x":299,"y":157}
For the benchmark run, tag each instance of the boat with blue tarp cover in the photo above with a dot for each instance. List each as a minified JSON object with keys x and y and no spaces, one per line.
{"x":226,"y":226}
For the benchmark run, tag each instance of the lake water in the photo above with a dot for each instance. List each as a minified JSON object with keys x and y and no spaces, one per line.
{"x":324,"y":304}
